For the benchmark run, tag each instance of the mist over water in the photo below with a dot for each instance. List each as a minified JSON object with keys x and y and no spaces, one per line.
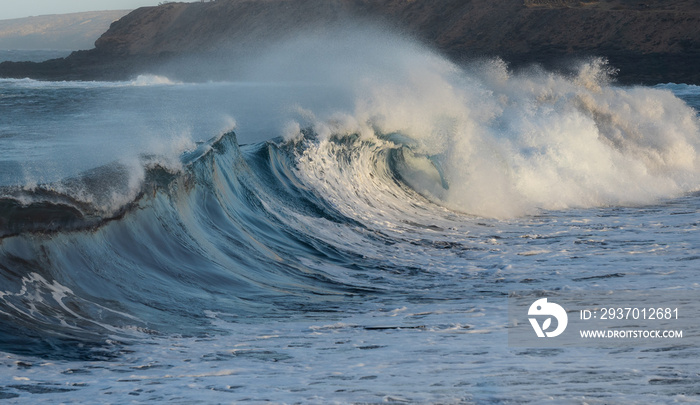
{"x":479,"y":139}
{"x":486,"y":141}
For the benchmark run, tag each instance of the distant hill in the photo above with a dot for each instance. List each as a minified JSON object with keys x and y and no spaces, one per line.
{"x":59,"y":31}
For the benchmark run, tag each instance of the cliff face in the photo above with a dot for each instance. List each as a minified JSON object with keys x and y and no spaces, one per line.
{"x":650,"y":41}
{"x":185,"y":28}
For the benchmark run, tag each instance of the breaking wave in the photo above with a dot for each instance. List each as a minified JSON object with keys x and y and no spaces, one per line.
{"x":292,"y":222}
{"x":503,"y":145}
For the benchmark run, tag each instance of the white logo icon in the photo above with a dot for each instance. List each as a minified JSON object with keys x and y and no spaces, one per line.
{"x":542,"y":307}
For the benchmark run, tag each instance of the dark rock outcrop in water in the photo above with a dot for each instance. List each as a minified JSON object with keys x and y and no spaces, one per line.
{"x":650,"y":41}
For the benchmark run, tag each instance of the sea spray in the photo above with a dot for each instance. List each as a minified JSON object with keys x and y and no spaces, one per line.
{"x":479,"y":138}
{"x":506,"y":143}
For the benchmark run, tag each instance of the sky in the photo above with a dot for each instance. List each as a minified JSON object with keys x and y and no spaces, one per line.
{"x":25,"y":8}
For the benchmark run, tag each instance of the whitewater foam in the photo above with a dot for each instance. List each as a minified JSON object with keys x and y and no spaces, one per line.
{"x":510,"y":144}
{"x":145,"y":80}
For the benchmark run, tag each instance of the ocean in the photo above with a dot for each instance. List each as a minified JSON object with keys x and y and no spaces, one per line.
{"x":344,"y":225}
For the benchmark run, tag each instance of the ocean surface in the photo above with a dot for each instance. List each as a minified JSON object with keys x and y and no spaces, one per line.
{"x":334,"y":228}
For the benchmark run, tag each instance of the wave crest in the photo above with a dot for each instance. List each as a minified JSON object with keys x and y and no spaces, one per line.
{"x":511,"y":144}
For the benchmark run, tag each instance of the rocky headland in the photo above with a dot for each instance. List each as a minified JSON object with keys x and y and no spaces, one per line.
{"x":649,"y":41}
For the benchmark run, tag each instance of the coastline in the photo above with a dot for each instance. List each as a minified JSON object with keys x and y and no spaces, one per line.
{"x":656,"y":44}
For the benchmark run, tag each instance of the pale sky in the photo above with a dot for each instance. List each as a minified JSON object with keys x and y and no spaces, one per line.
{"x":25,"y":8}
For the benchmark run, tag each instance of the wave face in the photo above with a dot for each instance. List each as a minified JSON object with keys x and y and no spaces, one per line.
{"x":342,"y":205}
{"x":217,"y":235}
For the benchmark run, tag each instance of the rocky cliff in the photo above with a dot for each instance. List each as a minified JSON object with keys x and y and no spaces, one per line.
{"x":649,"y":41}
